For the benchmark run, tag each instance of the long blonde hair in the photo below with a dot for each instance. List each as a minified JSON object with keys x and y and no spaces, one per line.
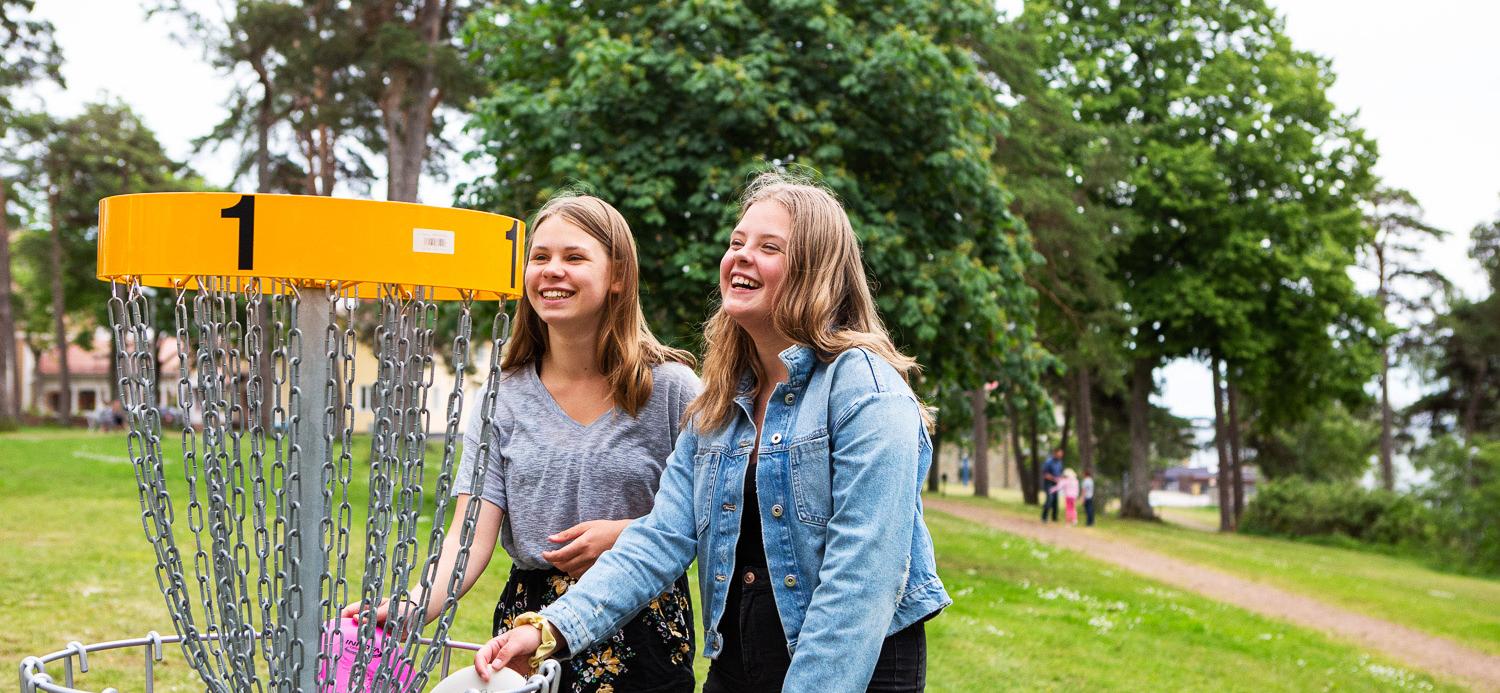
{"x":824,"y":302}
{"x":626,"y":350}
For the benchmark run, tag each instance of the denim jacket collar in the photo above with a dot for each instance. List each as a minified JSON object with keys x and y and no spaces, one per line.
{"x":799,"y":360}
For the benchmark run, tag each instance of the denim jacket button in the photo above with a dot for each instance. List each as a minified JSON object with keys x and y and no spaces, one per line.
{"x":776,"y":510}
{"x":790,"y":398}
{"x":744,"y":443}
{"x":790,"y":581}
{"x":775,"y":438}
{"x":729,"y":507}
{"x":720,"y":578}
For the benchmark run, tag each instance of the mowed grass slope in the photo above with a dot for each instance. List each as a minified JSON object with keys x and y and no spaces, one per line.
{"x":1402,"y":590}
{"x":79,"y":567}
{"x":1031,"y":617}
{"x":1027,"y":617}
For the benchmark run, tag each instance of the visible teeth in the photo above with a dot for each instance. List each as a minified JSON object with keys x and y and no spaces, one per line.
{"x":744,"y":282}
{"x":556,"y":294}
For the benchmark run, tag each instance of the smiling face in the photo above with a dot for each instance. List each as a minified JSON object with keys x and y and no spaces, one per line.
{"x":753,"y":268}
{"x":568,"y":274}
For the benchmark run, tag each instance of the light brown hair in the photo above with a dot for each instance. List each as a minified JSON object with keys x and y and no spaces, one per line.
{"x":824,"y":301}
{"x":627,"y":349}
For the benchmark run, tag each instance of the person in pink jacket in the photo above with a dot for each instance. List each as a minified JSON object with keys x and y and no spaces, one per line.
{"x":1067,"y":487}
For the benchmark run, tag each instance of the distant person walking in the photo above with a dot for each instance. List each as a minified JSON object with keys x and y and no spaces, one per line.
{"x":1067,"y":487}
{"x":1088,"y":498}
{"x":1052,"y":471}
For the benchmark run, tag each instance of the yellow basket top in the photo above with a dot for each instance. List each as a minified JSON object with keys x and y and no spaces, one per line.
{"x":169,"y":239}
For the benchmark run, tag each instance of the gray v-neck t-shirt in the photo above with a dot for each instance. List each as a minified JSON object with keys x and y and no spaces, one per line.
{"x":548,"y":472}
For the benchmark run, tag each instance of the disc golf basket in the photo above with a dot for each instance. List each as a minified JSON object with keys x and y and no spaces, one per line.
{"x":256,"y":534}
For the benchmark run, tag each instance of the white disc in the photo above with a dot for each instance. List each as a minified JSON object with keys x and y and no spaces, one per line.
{"x":466,"y":679}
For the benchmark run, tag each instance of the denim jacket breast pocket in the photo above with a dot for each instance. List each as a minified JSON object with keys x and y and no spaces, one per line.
{"x":812,"y":478}
{"x":705,"y":473}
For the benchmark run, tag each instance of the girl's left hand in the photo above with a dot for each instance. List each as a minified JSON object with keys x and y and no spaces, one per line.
{"x":589,"y":540}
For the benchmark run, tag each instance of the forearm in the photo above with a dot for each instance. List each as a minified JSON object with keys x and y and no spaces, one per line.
{"x":439,"y":579}
{"x":651,"y":553}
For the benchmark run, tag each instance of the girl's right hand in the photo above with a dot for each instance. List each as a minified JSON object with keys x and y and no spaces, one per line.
{"x":513,"y":649}
{"x":382,"y":612}
{"x":355,"y":609}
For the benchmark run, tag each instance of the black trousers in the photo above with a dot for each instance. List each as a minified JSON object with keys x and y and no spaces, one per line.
{"x":1050,"y":505}
{"x":755,"y":658}
{"x":1088,"y":511}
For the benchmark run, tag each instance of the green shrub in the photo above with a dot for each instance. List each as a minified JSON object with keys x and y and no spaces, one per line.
{"x":1450,"y":521}
{"x":1295,"y":507}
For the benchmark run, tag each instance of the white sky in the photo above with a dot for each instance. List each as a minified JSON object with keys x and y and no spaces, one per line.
{"x":1421,"y":75}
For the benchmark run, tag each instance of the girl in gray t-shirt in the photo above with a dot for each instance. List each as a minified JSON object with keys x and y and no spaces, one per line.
{"x":584,"y":418}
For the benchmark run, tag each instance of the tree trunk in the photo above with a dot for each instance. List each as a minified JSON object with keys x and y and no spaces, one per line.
{"x":1221,"y":444}
{"x":407,"y":102}
{"x":36,"y":373}
{"x":265,"y":118}
{"x":937,"y":442}
{"x":1028,"y":483}
{"x":1005,"y":467}
{"x":1067,"y":427}
{"x":155,"y":392}
{"x":1475,"y":393}
{"x":1387,"y":444}
{"x":1382,"y":296}
{"x":1034,"y":460}
{"x":10,"y":374}
{"x":60,"y":332}
{"x":1085,"y":421}
{"x":263,"y":312}
{"x":981,"y":460}
{"x":1136,"y":502}
{"x":1236,"y":456}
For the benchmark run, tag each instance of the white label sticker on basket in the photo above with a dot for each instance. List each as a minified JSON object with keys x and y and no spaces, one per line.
{"x":432,"y":241}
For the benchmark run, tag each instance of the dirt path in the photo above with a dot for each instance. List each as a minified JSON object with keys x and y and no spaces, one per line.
{"x":1429,"y":653}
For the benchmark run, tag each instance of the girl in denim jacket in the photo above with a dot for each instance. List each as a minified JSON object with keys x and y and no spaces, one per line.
{"x":795,"y":483}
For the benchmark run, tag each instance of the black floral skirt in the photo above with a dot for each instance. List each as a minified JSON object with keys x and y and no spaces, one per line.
{"x":652,"y":653}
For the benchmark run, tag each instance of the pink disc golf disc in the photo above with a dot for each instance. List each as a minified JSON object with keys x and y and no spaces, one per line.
{"x":341,"y":642}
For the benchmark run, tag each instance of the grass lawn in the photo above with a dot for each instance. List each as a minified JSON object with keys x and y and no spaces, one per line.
{"x":79,"y":568}
{"x":1402,"y":590}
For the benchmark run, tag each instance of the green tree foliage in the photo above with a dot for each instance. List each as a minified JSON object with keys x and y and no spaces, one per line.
{"x":1065,"y":173}
{"x":320,"y":86}
{"x":28,"y":54}
{"x":1245,"y":184}
{"x":293,"y":109}
{"x":667,"y":109}
{"x":105,"y":150}
{"x":1335,"y":445}
{"x":1464,"y":492}
{"x":1298,"y":507}
{"x":1462,"y":355}
{"x":1448,"y":521}
{"x":1405,"y":285}
{"x":1172,"y":440}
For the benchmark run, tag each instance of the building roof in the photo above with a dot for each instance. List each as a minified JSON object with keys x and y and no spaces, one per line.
{"x":1247,"y":472}
{"x":81,"y":361}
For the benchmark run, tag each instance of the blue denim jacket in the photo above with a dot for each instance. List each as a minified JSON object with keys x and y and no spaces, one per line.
{"x":843,"y":456}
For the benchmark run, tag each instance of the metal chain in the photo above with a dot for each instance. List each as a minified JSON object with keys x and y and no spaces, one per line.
{"x":283,"y":316}
{"x":500,"y":335}
{"x":248,"y":454}
{"x":443,"y":491}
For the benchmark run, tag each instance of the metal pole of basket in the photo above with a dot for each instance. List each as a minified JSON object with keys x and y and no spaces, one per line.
{"x":308,"y":555}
